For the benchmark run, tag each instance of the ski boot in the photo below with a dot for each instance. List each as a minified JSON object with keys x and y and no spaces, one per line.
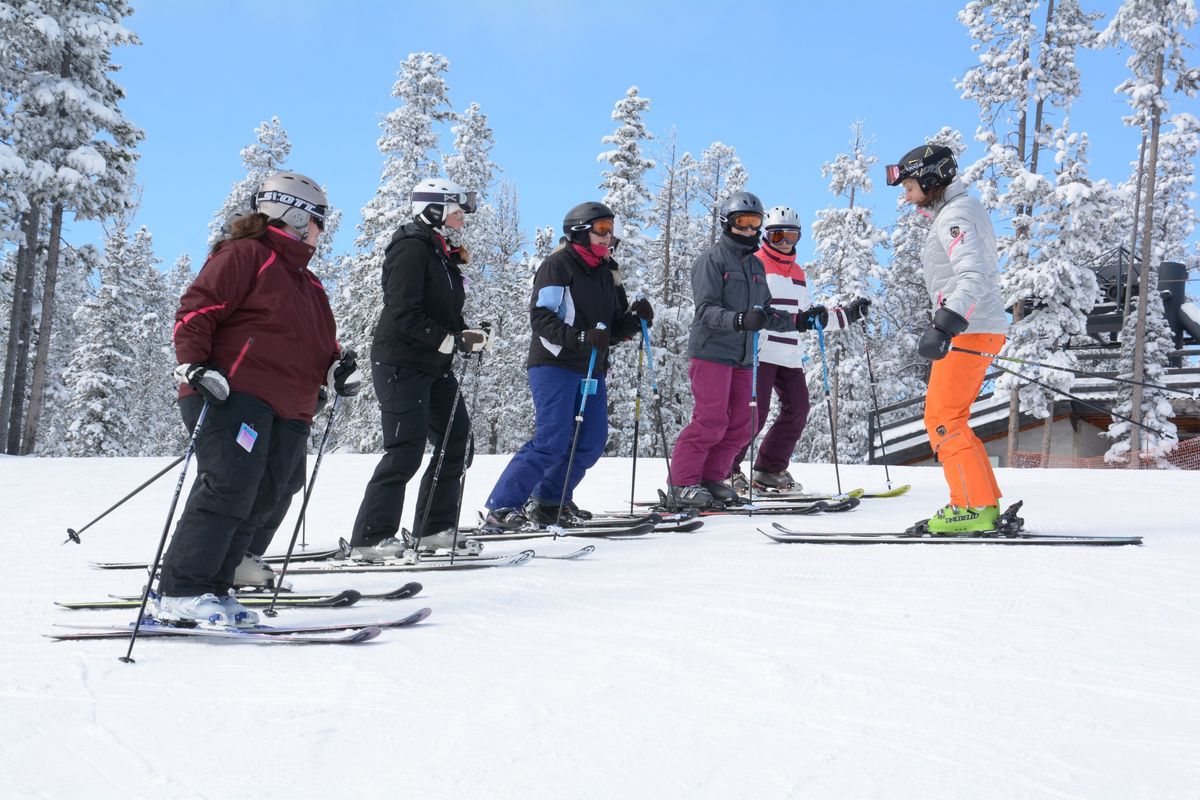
{"x":721,"y":492}
{"x":504,"y":520}
{"x":694,"y":496}
{"x":543,"y":514}
{"x":579,"y":513}
{"x":239,"y":616}
{"x":955,"y":520}
{"x":202,"y":609}
{"x":449,"y":539}
{"x":253,"y":573}
{"x":739,"y":481}
{"x":775,"y":481}
{"x":390,"y":548}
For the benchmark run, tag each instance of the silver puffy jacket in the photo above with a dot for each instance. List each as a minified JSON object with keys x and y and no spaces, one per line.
{"x":959,"y":259}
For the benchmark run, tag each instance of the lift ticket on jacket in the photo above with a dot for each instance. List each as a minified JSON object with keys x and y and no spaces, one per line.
{"x":246,"y":437}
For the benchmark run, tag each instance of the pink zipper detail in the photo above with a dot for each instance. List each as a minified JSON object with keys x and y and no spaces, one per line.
{"x":268,"y":263}
{"x":238,"y":361}
{"x":957,"y":239}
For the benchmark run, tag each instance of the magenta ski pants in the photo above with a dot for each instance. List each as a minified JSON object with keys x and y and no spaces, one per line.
{"x":720,"y":423}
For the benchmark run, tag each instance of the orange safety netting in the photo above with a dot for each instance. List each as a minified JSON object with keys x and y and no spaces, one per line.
{"x":1186,"y":456}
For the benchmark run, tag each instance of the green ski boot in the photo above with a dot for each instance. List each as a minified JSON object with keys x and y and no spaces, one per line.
{"x":954,"y":520}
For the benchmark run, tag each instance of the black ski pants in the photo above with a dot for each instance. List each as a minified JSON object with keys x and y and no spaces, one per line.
{"x":415,"y":408}
{"x":237,"y":493}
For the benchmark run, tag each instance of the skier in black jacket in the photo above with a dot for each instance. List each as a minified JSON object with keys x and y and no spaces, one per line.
{"x":578,"y":305}
{"x":411,"y":356}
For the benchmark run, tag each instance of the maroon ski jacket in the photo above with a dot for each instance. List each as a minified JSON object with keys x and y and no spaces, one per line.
{"x":256,"y":313}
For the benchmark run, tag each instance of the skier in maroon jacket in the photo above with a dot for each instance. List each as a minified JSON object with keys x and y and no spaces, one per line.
{"x":255,"y":340}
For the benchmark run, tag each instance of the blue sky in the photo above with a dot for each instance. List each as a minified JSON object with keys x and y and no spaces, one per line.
{"x":780,"y":81}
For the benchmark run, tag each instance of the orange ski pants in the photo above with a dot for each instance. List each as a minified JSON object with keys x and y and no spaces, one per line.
{"x":954,"y":384}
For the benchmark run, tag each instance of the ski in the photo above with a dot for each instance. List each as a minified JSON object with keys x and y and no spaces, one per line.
{"x":262,"y":597}
{"x":580,"y":553}
{"x":804,"y":497}
{"x":343,"y":599}
{"x":880,"y":537}
{"x":603,"y":532}
{"x":792,"y":509}
{"x":232,"y":635}
{"x":156,"y":627}
{"x":422,"y":564}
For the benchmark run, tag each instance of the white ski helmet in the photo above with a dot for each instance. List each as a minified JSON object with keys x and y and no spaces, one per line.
{"x":293,"y":198}
{"x":781,"y":217}
{"x":433,"y":199}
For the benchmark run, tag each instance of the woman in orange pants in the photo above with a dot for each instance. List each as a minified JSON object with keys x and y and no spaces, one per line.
{"x":959,"y":264}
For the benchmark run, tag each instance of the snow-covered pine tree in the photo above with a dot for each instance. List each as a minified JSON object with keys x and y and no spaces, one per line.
{"x":627,"y":194}
{"x":846,"y":268}
{"x":721,"y":174}
{"x":1023,"y":72}
{"x":1155,"y":31}
{"x":60,"y":70}
{"x":73,"y":291}
{"x":409,"y":147}
{"x":682,"y":224}
{"x":103,"y":376}
{"x":260,"y":159}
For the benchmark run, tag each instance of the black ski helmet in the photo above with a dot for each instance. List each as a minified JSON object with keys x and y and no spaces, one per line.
{"x":579,"y":219}
{"x":931,"y":164}
{"x":739,"y":203}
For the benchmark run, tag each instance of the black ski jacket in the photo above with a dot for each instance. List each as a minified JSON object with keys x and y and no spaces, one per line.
{"x":569,"y":297}
{"x":423,"y":295}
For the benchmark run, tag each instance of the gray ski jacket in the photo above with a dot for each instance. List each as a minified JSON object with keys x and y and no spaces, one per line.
{"x":959,"y":260}
{"x":727,"y":279}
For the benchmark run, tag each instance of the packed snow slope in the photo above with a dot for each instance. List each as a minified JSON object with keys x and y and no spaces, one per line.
{"x":715,"y":664}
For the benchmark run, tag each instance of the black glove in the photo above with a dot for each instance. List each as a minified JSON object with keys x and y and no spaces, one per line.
{"x":779,"y":321}
{"x":857,"y":309}
{"x":642,"y":308}
{"x":472,"y":341}
{"x":596,"y":337}
{"x":807,"y":320}
{"x":752,"y":320}
{"x":208,"y":381}
{"x":935,"y":341}
{"x":344,"y":376}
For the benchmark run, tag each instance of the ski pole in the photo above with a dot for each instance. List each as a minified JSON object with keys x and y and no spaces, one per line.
{"x":73,"y":535}
{"x":1081,"y":401}
{"x":308,"y":489}
{"x":658,"y":418}
{"x":875,"y":407}
{"x":753,"y":420}
{"x":437,"y":468}
{"x":585,"y":388}
{"x":462,"y":481}
{"x":637,"y":421}
{"x":829,"y":405}
{"x":1078,"y":372}
{"x":162,"y":540}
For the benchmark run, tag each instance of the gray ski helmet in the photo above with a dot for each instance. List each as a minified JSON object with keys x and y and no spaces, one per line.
{"x":931,"y":164}
{"x":579,"y":219}
{"x":739,"y":203}
{"x":293,"y":198}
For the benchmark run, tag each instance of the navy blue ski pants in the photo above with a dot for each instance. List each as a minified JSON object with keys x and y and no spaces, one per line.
{"x":538,"y":469}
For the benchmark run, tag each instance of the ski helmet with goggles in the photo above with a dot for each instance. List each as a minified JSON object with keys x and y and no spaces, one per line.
{"x":292,"y":198}
{"x":932,"y":165}
{"x":781,"y":225}
{"x":432,"y":198}
{"x":583,"y":218}
{"x":736,"y":205}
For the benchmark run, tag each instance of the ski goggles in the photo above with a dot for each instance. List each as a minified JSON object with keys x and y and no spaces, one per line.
{"x":782,"y":235}
{"x":468,"y":200}
{"x":747,"y":222}
{"x":894,"y":173}
{"x":605,"y":226}
{"x":316,"y":211}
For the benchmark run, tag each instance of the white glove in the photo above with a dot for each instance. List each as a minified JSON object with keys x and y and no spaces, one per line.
{"x":447,"y":345}
{"x":344,"y":376}
{"x":208,"y":382}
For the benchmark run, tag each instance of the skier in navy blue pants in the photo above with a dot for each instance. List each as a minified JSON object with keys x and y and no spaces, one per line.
{"x":577,"y":304}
